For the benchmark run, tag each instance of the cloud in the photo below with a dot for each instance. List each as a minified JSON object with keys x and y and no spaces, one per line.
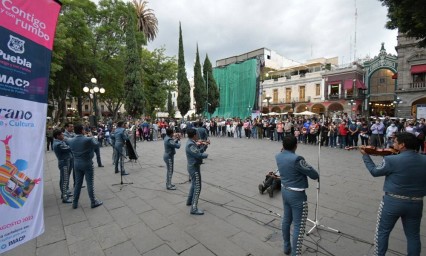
{"x":298,"y":30}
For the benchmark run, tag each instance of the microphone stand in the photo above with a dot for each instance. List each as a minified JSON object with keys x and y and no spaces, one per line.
{"x":316,"y":220}
{"x":121,"y":184}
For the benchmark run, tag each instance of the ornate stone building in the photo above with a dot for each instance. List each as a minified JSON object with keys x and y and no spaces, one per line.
{"x":380,"y":79}
{"x":411,"y":85}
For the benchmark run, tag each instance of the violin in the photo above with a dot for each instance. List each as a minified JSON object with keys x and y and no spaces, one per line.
{"x":177,"y":136}
{"x":371,"y":150}
{"x":203,"y":142}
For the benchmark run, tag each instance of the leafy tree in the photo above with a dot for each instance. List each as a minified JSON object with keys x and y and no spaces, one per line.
{"x":200,"y":92}
{"x":158,"y":71}
{"x":110,"y":51}
{"x":71,"y":53}
{"x":133,"y":82}
{"x":147,"y":23}
{"x":213,"y":91}
{"x":184,"y":90}
{"x":408,"y":16}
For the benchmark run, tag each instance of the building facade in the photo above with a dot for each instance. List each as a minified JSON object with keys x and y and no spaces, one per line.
{"x":411,"y":85}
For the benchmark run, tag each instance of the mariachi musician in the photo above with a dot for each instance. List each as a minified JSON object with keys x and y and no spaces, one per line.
{"x":120,"y":137}
{"x":404,"y":187}
{"x":171,"y":143}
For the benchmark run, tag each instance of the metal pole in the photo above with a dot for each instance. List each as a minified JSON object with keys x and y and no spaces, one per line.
{"x":207,"y":100}
{"x":95,"y":105}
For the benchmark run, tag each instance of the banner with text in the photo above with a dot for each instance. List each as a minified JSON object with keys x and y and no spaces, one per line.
{"x":27,"y":30}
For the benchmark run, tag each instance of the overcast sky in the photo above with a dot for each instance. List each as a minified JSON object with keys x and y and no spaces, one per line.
{"x":298,"y":30}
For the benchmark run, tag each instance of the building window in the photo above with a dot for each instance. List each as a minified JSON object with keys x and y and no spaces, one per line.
{"x":288,"y":95}
{"x":69,"y":106}
{"x":302,"y":93}
{"x":102,"y":108}
{"x":317,"y":89}
{"x":419,"y":78}
{"x":334,"y":90}
{"x":275,"y":96}
{"x":86,"y":107}
{"x":382,"y":86}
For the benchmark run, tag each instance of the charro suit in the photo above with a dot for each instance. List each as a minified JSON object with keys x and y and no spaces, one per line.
{"x":404,"y":187}
{"x":120,"y":137}
{"x":294,"y":172}
{"x":170,"y":146}
{"x":64,"y":155}
{"x":194,"y":156}
{"x":83,"y":150}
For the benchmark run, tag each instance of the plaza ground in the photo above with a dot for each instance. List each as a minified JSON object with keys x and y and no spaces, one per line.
{"x":144,"y":218}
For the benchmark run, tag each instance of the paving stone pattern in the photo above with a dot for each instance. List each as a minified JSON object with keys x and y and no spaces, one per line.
{"x":144,"y":218}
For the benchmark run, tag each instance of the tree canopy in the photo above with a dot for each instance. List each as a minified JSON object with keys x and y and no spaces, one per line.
{"x":93,"y":41}
{"x":213,"y":91}
{"x":200,"y":91}
{"x":408,"y":16}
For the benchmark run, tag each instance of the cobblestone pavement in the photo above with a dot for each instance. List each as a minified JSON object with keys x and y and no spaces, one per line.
{"x":144,"y":218}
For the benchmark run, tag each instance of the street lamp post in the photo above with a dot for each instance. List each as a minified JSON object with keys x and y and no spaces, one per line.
{"x":93,"y":89}
{"x":351,"y":103}
{"x":396,"y":102}
{"x":268,"y":98}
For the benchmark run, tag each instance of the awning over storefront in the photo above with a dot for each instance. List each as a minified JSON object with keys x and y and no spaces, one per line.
{"x":418,"y":69}
{"x":348,"y":84}
{"x":334,"y":82}
{"x":360,"y":85}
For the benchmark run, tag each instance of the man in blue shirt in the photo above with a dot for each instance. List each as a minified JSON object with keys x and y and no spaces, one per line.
{"x":294,"y":172}
{"x":404,"y":187}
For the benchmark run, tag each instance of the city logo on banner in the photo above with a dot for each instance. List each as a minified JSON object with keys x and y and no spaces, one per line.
{"x":16,"y":45}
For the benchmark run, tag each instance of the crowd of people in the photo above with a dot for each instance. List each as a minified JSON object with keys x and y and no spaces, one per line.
{"x":341,"y":131}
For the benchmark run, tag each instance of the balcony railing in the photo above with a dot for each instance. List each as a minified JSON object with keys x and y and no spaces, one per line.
{"x":418,"y":85}
{"x":344,"y":97}
{"x":307,"y":99}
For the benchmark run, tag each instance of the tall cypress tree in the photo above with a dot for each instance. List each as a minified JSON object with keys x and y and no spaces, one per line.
{"x":184,"y":90}
{"x":200,"y":94}
{"x":133,"y":82}
{"x":170,"y":108}
{"x":213,"y":91}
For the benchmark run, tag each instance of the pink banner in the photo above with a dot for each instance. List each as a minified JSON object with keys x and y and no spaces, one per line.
{"x":27,"y":30}
{"x":33,"y":19}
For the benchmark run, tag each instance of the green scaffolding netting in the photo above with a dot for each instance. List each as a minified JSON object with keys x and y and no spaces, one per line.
{"x":237,"y":87}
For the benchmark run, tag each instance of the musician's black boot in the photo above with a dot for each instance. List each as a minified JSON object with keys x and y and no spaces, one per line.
{"x":261,"y":188}
{"x":270,"y":191}
{"x":96,"y":203}
{"x":196,"y":212}
{"x":287,"y":252}
{"x":124,"y":173}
